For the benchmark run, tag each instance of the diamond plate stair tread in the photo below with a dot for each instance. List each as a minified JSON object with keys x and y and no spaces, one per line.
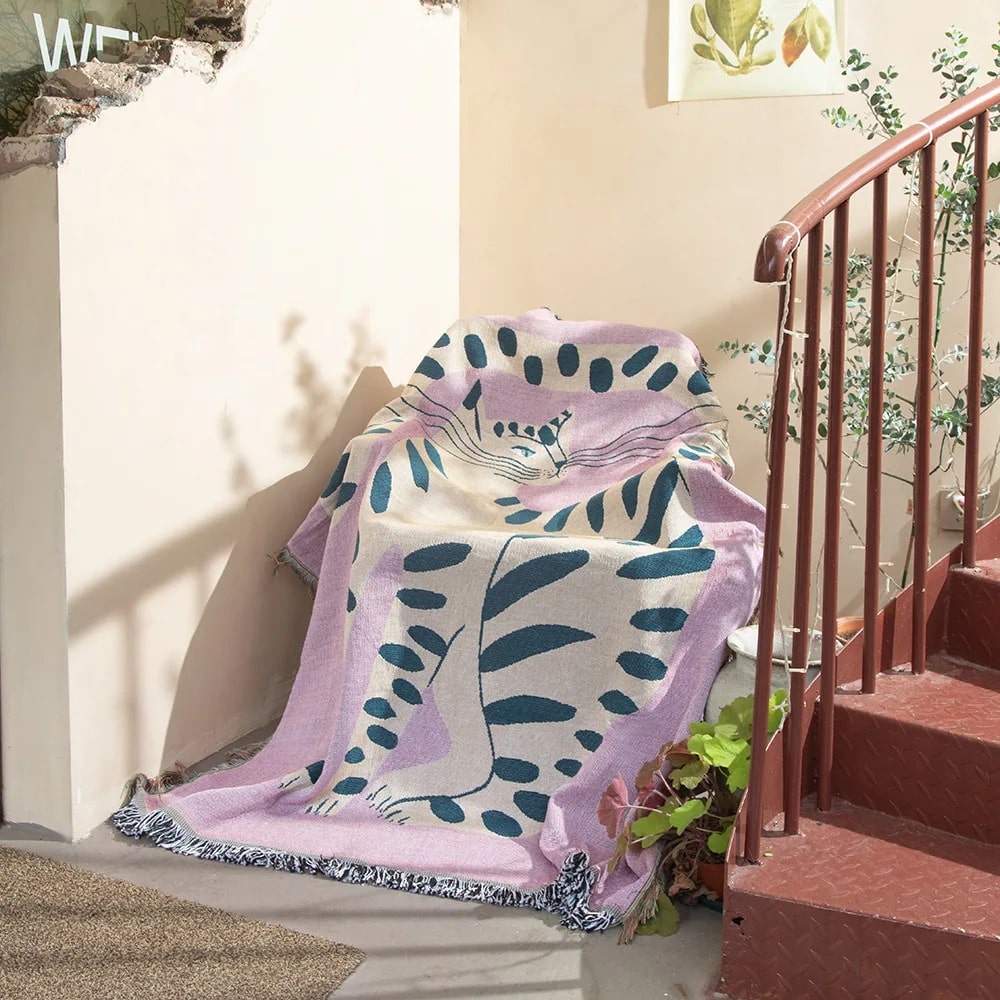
{"x":973,"y":610}
{"x":866,"y":863}
{"x":989,"y":568}
{"x":949,"y":690}
{"x":780,"y":950}
{"x":926,"y":748}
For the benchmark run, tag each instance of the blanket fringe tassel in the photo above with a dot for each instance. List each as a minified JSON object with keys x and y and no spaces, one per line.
{"x":179,"y":774}
{"x":285,"y":558}
{"x":568,"y":896}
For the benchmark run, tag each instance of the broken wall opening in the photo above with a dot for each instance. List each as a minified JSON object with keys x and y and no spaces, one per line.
{"x":39,"y":37}
{"x":45,"y":43}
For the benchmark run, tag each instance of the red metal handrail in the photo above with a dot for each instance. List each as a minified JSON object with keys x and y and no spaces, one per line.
{"x":776,"y":263}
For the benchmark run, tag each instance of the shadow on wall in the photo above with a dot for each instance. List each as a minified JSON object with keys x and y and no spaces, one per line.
{"x":239,"y":666}
{"x":251,"y":632}
{"x":657,"y":52}
{"x":308,"y":423}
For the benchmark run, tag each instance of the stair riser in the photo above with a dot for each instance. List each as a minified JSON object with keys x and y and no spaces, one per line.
{"x":781,"y":950}
{"x":973,"y":617}
{"x":936,"y":778}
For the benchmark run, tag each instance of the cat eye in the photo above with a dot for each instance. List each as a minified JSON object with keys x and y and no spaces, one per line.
{"x":522,"y":450}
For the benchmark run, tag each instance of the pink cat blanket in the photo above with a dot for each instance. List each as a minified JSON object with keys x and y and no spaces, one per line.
{"x":525,"y":570}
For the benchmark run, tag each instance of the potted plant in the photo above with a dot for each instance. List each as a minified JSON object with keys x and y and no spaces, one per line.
{"x":738,"y":674}
{"x":878,"y":118}
{"x":685,"y":808}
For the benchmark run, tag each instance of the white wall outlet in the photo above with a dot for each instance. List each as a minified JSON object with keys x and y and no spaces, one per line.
{"x":951,"y":504}
{"x":951,"y":508}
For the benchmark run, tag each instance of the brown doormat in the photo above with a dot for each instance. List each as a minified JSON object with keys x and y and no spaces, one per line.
{"x":70,"y":934}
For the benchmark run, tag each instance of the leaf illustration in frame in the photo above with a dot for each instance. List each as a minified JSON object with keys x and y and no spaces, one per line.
{"x":820,"y":32}
{"x":699,"y":24}
{"x":733,"y":20}
{"x":796,"y":39}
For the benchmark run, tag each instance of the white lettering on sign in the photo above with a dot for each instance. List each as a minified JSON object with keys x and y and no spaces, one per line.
{"x":62,"y":44}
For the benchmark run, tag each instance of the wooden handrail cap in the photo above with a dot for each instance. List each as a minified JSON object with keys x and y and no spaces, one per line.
{"x":775,"y":248}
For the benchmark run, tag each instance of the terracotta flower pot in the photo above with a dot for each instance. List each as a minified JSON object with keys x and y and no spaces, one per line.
{"x":712,"y":875}
{"x":848,"y":628}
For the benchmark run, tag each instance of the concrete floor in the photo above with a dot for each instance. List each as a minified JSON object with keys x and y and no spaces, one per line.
{"x":418,"y":948}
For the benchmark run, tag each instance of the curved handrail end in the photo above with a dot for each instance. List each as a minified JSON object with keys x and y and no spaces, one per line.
{"x":780,"y":242}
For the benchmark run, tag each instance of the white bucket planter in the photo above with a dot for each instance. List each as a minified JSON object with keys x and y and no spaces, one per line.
{"x":736,"y":679}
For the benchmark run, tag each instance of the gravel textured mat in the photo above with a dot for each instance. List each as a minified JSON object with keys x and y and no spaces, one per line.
{"x":68,"y":933}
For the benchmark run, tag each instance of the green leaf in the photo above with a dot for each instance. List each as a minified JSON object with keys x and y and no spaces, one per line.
{"x":699,"y":21}
{"x":717,"y":750}
{"x":704,"y":51}
{"x":778,"y":709}
{"x":730,"y":730}
{"x":733,"y":20}
{"x":820,"y":33}
{"x":718,"y":842}
{"x":653,"y":825}
{"x":738,"y":713}
{"x":690,"y":775}
{"x":739,"y":771}
{"x":665,"y":921}
{"x":686,"y":813}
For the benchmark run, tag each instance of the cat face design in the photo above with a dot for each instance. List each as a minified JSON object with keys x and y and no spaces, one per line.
{"x":521,"y":453}
{"x":535,"y":448}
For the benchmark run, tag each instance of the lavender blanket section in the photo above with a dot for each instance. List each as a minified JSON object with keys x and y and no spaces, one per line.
{"x":525,"y":570}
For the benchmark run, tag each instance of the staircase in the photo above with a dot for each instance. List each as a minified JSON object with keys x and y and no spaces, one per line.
{"x":892,"y":889}
{"x":895,"y":891}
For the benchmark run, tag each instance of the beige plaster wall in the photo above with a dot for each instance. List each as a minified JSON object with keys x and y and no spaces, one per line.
{"x":232,"y":258}
{"x":583,"y":190}
{"x":34,"y":690}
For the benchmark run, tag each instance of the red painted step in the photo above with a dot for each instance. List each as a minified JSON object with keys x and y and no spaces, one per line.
{"x":864,"y":906}
{"x":972,"y":629}
{"x":926,"y":748}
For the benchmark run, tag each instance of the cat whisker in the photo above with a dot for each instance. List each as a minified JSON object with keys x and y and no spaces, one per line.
{"x":634,"y":433}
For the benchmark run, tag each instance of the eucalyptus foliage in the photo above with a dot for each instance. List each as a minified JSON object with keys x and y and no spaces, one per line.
{"x":880,"y":118}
